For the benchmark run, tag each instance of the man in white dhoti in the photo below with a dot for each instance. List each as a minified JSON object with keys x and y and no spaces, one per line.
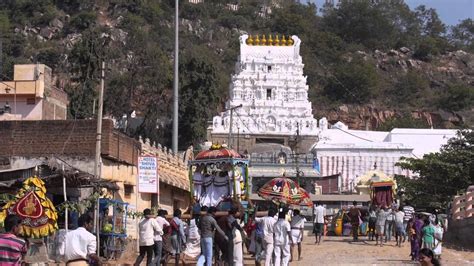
{"x":267,"y":224}
{"x":297,"y":232}
{"x":282,"y":240}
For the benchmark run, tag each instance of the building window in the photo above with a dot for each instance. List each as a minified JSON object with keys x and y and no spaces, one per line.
{"x":128,"y":189}
{"x":30,"y":101}
{"x":269,"y":69}
{"x":269,"y":94}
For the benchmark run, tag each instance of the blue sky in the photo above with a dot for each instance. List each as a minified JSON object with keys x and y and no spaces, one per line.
{"x":450,"y":11}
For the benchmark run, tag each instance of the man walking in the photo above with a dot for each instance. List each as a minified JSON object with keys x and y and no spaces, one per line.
{"x":389,"y":225}
{"x":207,"y":225}
{"x":318,"y":229}
{"x":282,"y":231}
{"x":163,"y":223}
{"x":147,"y":227}
{"x":178,"y":237}
{"x":399,"y":228}
{"x":355,"y":216}
{"x":297,"y":232}
{"x":382,"y":215}
{"x":12,"y":248}
{"x":81,"y":245}
{"x":235,"y":252}
{"x":258,"y":243}
{"x":268,"y":223}
{"x":408,"y":210}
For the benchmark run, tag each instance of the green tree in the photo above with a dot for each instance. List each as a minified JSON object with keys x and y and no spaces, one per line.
{"x":409,"y":89}
{"x":457,"y":97}
{"x":462,"y":35}
{"x":405,"y":121}
{"x":361,"y":22}
{"x":85,"y":59}
{"x":432,"y":42}
{"x":198,"y":98}
{"x":441,"y":175}
{"x":353,"y":82}
{"x":431,"y":24}
{"x":429,"y":47}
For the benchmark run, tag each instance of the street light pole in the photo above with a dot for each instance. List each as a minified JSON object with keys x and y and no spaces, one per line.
{"x":175,"y":85}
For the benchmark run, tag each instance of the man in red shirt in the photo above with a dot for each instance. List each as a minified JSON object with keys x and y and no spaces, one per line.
{"x":12,"y":248}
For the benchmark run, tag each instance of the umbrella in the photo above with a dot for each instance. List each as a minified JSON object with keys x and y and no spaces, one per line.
{"x":284,"y":190}
{"x":219,"y":153}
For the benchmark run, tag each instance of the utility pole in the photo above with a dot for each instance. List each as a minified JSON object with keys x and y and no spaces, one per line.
{"x":99,"y":123}
{"x":229,"y":138}
{"x":98,"y":149}
{"x":238,"y":140}
{"x":175,"y":85}
{"x":297,"y":154}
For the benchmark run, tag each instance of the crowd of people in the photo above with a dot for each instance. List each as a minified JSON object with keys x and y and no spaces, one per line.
{"x":271,"y":239}
{"x":423,"y":231}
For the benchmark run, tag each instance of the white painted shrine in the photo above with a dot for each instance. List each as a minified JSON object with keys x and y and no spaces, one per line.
{"x":270,"y":85}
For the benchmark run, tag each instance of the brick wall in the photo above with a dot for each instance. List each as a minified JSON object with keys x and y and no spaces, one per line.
{"x":57,"y":94}
{"x":55,"y":104}
{"x":65,"y":137}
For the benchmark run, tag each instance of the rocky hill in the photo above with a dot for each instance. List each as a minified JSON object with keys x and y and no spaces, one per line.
{"x":384,"y":65}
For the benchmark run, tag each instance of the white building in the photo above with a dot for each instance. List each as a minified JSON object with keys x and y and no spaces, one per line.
{"x":351,"y":153}
{"x":270,"y":85}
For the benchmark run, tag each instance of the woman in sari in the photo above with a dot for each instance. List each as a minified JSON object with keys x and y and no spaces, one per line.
{"x":438,"y":239}
{"x":414,"y":245}
{"x":415,"y":236}
{"x":428,"y":235}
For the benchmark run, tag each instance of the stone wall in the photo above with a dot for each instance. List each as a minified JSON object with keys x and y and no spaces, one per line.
{"x":460,"y":233}
{"x":55,"y":104}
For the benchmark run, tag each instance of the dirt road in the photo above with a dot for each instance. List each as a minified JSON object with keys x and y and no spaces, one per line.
{"x":342,"y":251}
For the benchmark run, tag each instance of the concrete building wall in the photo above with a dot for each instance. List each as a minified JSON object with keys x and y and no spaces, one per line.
{"x":22,"y":105}
{"x":32,"y":94}
{"x":353,"y":163}
{"x":25,"y":144}
{"x":460,"y":233}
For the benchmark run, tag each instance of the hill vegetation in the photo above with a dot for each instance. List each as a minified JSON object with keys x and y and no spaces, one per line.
{"x":357,"y":53}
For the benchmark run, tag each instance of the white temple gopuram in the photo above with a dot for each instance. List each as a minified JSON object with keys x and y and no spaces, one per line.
{"x":271,"y":89}
{"x":270,"y":85}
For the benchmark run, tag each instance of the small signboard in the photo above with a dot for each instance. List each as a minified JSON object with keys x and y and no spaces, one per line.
{"x":147,"y":175}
